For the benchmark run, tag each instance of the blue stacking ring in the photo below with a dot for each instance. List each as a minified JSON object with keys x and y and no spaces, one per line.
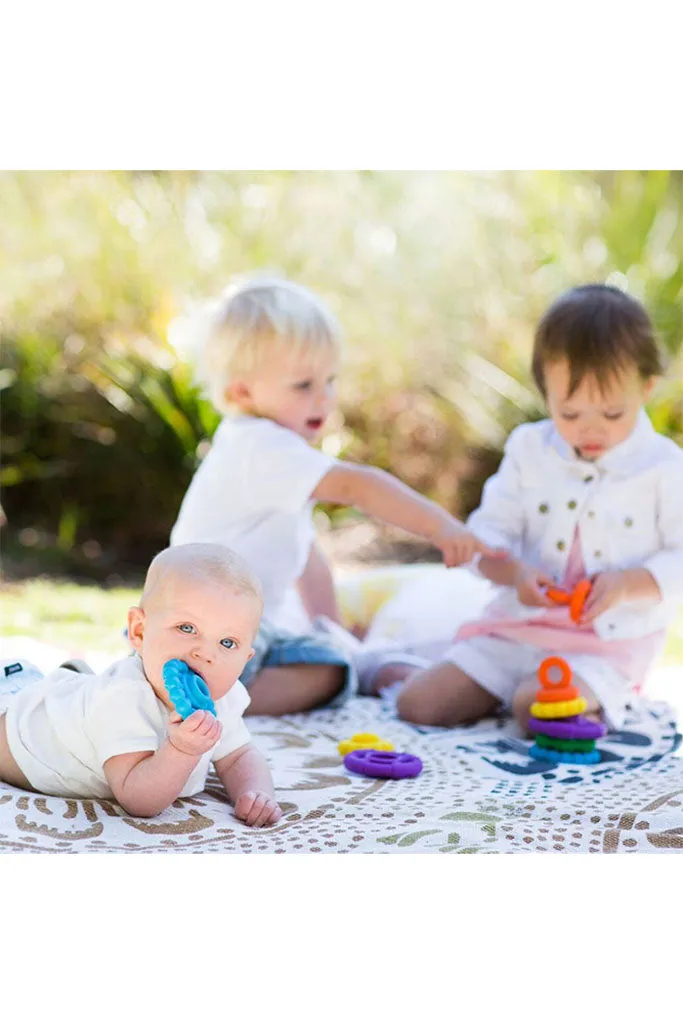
{"x":564,"y":756}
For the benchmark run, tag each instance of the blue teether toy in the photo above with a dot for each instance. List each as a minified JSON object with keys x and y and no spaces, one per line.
{"x":187,"y":690}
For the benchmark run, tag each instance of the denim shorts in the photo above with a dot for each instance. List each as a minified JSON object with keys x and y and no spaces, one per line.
{"x":276,"y":647}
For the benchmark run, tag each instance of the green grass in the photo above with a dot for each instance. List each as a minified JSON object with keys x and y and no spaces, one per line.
{"x":76,"y":616}
{"x":66,"y":615}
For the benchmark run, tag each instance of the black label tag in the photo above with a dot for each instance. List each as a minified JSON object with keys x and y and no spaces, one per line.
{"x":11,"y":669}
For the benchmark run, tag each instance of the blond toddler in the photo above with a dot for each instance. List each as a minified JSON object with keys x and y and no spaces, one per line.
{"x":270,"y":358}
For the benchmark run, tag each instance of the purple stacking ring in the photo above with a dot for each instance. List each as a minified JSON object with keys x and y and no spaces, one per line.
{"x":383,"y":764}
{"x":575,"y":728}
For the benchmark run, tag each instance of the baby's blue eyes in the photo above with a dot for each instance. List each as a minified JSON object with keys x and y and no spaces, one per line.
{"x":188,"y":629}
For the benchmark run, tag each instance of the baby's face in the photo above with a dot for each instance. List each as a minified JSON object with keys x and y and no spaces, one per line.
{"x":206,"y":625}
{"x":593,"y":421}
{"x":296,"y":390}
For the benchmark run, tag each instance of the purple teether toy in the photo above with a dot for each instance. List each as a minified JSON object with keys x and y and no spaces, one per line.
{"x":383,"y":764}
{"x":575,"y":728}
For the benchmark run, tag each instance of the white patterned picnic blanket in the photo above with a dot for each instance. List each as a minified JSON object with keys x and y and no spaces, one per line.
{"x":479,"y":792}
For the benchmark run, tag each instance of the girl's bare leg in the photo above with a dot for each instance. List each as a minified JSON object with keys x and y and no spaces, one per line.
{"x":290,"y":688}
{"x":443,"y":695}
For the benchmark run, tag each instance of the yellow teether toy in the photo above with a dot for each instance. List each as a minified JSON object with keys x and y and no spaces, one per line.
{"x":363,"y":741}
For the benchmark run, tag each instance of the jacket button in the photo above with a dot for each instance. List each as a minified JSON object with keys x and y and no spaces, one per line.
{"x":591,"y":514}
{"x":543,"y":508}
{"x":587,"y":479}
{"x":561,"y":545}
{"x":571,"y":504}
{"x":597,"y":554}
{"x":628,"y":522}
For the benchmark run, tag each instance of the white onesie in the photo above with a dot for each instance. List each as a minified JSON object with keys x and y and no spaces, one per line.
{"x":62,"y":729}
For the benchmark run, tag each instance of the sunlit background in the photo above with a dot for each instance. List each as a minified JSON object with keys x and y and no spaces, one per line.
{"x":437,"y":278}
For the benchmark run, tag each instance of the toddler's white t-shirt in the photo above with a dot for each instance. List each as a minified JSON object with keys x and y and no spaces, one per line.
{"x":252,"y":492}
{"x":63,"y":728}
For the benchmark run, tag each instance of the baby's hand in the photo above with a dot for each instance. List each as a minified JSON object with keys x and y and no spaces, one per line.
{"x":530,"y":584}
{"x":609,"y":589}
{"x":459,"y":546}
{"x":257,"y":809}
{"x":195,"y":734}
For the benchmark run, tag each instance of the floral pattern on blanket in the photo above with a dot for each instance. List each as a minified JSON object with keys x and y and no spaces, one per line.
{"x":479,"y":792}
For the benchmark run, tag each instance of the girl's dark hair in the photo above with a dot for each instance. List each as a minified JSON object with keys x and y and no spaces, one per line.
{"x":599,"y":330}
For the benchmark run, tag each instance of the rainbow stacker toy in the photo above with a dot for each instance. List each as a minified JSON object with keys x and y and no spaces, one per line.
{"x":562,"y":733}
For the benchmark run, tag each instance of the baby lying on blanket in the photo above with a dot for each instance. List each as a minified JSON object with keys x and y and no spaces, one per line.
{"x":117,"y":736}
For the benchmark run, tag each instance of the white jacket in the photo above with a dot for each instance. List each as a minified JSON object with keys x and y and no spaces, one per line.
{"x":628,"y":505}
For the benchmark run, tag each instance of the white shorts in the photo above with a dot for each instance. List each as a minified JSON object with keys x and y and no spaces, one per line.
{"x":499,"y":666}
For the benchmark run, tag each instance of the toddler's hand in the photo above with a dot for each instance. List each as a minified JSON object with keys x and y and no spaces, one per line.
{"x":196,"y":734}
{"x":257,"y":809}
{"x":459,"y":546}
{"x":609,"y":589}
{"x":530,"y":584}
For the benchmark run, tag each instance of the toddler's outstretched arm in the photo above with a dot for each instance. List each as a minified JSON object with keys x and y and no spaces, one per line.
{"x":382,"y":496}
{"x":247,"y":780}
{"x":316,"y":586}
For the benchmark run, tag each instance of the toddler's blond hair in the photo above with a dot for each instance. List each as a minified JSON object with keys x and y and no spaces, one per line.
{"x":253,"y":317}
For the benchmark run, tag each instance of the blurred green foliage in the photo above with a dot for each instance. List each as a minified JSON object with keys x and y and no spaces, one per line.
{"x":437,"y":277}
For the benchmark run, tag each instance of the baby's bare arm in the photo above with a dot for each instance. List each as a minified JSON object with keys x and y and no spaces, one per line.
{"x":247,"y":780}
{"x":145,"y":783}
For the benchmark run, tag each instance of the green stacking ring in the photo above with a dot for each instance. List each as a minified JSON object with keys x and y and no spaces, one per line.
{"x":554,"y":744}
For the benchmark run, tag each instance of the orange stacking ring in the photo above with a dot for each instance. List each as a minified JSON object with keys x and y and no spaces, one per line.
{"x":546,"y":667}
{"x":578,"y":599}
{"x":552,"y":691}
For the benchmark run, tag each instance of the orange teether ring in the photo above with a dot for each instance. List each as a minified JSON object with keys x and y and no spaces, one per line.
{"x":578,"y":599}
{"x":557,"y":595}
{"x":552,"y":690}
